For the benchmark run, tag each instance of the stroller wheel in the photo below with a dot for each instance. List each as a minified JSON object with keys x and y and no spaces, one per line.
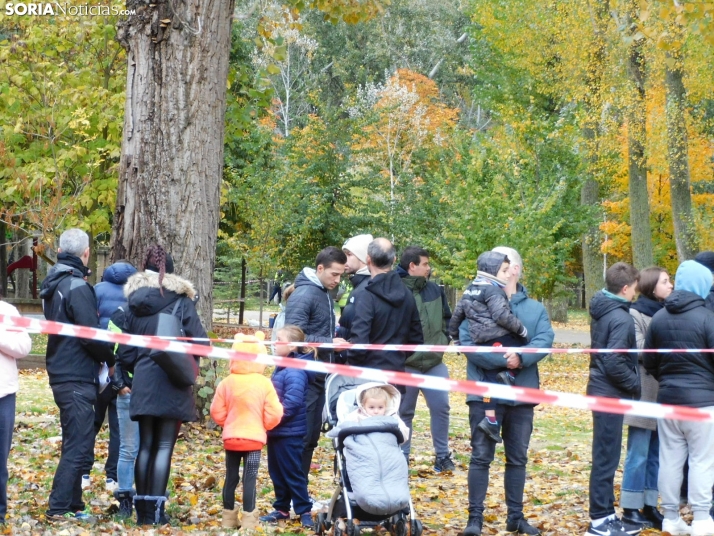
{"x":339,"y":528}
{"x":320,"y":527}
{"x":401,"y":528}
{"x":416,"y":528}
{"x":352,"y":529}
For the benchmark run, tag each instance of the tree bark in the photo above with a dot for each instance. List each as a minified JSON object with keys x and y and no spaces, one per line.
{"x":172,"y":147}
{"x":678,"y":158}
{"x":641,"y":232}
{"x":3,"y":259}
{"x":590,"y":193}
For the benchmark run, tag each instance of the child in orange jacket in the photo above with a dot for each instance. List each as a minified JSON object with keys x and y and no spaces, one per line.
{"x":246,"y":405}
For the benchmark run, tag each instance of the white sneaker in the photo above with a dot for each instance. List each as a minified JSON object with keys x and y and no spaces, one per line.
{"x":678,"y":527}
{"x":111,"y":485}
{"x":86,"y":482}
{"x":703,"y":527}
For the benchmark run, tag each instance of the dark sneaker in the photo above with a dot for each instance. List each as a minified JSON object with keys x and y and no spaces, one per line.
{"x":521,"y":526}
{"x":613,"y":527}
{"x":306,"y":520}
{"x":491,"y":430}
{"x":443,"y":464}
{"x":473,"y":527}
{"x":506,"y":378}
{"x":275,"y":516}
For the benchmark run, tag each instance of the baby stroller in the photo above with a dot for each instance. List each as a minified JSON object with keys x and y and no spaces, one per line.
{"x":344,"y":516}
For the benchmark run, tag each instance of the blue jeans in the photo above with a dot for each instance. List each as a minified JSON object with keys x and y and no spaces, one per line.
{"x":128,"y":445}
{"x":639,"y":481}
{"x":438,"y":404}
{"x":7,"y":424}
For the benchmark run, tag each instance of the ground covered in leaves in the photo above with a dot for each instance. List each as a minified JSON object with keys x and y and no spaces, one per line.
{"x":556,"y":489}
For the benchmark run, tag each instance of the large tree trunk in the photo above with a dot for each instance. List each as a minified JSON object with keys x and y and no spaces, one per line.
{"x":678,"y":158}
{"x":642,"y":255}
{"x":3,"y":259}
{"x":172,"y":147}
{"x":590,"y":194}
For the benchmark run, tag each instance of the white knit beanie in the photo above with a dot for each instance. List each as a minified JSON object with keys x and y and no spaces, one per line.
{"x":357,"y":245}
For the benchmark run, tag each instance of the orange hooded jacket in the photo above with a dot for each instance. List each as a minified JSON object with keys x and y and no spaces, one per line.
{"x":246,"y":404}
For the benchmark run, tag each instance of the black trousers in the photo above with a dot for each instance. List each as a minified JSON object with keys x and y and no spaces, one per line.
{"x":251,"y":464}
{"x":75,"y":401}
{"x":107,"y":403}
{"x":516,"y":428}
{"x":314,"y":402}
{"x":606,"y":450}
{"x":157,"y":437}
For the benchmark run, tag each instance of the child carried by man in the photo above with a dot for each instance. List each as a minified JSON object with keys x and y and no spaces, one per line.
{"x":491,"y":323}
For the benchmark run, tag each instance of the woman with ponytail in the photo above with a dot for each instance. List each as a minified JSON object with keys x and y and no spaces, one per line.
{"x":156,"y":403}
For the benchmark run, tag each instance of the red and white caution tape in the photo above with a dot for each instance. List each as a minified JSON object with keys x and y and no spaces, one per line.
{"x":453,"y":349}
{"x":503,"y":392}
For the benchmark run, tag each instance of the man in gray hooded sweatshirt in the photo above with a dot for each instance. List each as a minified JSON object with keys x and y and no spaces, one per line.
{"x":311,"y":308}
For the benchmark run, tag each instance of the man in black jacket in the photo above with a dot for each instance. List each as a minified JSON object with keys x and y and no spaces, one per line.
{"x":311,"y":308}
{"x":612,"y":375}
{"x":72,"y":367}
{"x":685,"y":379}
{"x":385,"y":313}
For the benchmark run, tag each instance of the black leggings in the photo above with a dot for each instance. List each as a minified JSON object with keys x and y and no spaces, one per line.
{"x":157,"y":437}
{"x":251,"y":463}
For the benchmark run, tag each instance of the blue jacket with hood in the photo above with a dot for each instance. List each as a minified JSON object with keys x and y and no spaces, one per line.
{"x":110,"y":292}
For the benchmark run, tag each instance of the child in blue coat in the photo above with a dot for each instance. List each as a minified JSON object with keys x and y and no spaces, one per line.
{"x":285,"y":441}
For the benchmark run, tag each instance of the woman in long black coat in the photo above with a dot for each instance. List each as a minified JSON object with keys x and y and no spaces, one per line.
{"x":156,"y":403}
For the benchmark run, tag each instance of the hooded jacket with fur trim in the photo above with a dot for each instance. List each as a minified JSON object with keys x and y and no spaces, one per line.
{"x":152,"y":392}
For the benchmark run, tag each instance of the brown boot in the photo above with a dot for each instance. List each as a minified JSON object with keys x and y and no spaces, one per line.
{"x":250,"y":519}
{"x":230,"y":518}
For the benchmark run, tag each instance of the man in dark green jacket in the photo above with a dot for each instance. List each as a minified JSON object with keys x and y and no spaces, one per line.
{"x":434,"y":313}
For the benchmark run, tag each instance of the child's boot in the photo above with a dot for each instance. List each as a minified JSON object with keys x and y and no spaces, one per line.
{"x":230,"y":518}
{"x":250,"y":520}
{"x":491,"y":429}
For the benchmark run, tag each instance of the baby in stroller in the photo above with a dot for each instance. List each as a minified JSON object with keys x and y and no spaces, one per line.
{"x":373,"y":472}
{"x":377,"y":400}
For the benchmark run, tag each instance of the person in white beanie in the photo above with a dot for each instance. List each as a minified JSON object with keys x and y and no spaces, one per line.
{"x":13,"y":345}
{"x":356,"y":250}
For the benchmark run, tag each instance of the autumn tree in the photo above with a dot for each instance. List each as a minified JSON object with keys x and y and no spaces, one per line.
{"x":172,"y":147}
{"x":61,"y":104}
{"x":398,"y":120}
